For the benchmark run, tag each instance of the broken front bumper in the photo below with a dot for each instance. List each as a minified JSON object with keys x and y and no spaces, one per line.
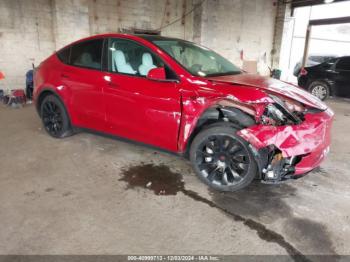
{"x":309,"y":140}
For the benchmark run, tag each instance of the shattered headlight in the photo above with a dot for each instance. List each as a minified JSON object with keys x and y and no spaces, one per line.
{"x":275,"y":113}
{"x":282,"y":112}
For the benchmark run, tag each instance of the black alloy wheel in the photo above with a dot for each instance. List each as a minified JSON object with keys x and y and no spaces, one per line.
{"x":222,"y":159}
{"x":54,"y":117}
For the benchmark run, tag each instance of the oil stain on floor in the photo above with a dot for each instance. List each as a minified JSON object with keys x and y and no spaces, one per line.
{"x":162,"y":181}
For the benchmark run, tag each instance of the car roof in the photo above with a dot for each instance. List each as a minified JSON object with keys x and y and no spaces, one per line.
{"x":321,"y":55}
{"x":148,"y":38}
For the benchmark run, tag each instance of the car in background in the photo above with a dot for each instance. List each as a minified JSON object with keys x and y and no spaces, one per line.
{"x":312,"y":60}
{"x":184,"y":98}
{"x":330,"y":78}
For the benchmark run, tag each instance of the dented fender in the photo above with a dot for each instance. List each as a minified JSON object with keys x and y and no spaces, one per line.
{"x":196,"y":103}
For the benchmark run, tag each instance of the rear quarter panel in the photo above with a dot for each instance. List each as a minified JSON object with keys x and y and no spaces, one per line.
{"x":47,"y":78}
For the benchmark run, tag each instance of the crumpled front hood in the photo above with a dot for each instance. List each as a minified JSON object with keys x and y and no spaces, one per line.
{"x":273,"y":86}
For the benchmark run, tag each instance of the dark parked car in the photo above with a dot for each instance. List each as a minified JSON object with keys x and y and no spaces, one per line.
{"x":312,"y":60}
{"x":329,"y":78}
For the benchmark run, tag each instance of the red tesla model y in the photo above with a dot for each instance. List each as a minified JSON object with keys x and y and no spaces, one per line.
{"x":184,"y":98}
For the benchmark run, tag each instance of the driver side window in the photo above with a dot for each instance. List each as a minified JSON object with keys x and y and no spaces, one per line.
{"x":343,"y":64}
{"x":128,"y":57}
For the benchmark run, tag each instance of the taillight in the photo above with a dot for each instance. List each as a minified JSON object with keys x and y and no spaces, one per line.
{"x":303,"y":72}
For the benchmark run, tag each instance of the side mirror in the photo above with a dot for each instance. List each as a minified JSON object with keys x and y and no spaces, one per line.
{"x":157,"y":74}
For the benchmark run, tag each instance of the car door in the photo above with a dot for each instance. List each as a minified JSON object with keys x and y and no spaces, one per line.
{"x":342,"y":76}
{"x":138,"y":108}
{"x":84,"y":78}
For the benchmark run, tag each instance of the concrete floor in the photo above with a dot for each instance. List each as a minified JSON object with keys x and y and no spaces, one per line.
{"x":85,"y":195}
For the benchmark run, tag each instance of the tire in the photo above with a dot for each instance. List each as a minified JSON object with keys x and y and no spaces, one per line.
{"x":55,"y":118}
{"x":222,"y":159}
{"x":319,"y":89}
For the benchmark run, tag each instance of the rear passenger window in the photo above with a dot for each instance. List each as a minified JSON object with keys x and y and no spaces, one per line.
{"x":343,"y":64}
{"x":64,"y":55}
{"x":87,"y":54}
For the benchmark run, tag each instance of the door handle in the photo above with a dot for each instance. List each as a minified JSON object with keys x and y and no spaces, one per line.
{"x":64,"y":75}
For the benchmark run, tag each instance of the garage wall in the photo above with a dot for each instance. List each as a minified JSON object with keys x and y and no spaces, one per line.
{"x":75,"y":19}
{"x":240,"y":27}
{"x":26,"y":37}
{"x":31,"y":30}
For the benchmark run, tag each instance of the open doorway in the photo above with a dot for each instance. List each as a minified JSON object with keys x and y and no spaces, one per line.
{"x":325,"y":42}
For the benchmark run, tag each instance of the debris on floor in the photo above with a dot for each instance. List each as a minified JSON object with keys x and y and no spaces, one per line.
{"x":16,"y":98}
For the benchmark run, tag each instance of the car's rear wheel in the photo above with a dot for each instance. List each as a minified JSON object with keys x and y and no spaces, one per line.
{"x":319,"y":89}
{"x":55,"y":118}
{"x":222,"y":159}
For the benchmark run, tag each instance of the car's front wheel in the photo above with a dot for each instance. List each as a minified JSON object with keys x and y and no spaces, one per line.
{"x":319,"y":89}
{"x":54,"y":117}
{"x":222,"y":159}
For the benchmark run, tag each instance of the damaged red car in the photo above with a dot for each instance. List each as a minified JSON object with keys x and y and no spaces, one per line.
{"x":182,"y":97}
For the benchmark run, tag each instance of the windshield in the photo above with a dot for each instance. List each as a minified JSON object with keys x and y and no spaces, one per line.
{"x":197,"y":60}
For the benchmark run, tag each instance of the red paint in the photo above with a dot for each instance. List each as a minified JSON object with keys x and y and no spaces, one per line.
{"x":157,"y":74}
{"x":311,"y":138}
{"x":303,"y":72}
{"x":164,"y":113}
{"x":274,"y":86}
